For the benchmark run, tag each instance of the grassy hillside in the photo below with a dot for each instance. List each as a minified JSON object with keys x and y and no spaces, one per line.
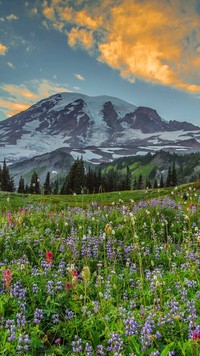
{"x":151,"y":166}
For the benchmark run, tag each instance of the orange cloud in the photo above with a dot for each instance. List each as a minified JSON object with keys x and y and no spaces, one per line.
{"x":23,"y":96}
{"x":155,"y":41}
{"x":3,"y":49}
{"x":81,"y":37}
{"x":11,"y":108}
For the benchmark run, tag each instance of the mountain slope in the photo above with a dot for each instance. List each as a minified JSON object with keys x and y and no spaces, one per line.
{"x":109,"y":125}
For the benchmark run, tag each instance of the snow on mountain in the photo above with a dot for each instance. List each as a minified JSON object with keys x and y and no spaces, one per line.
{"x":89,"y":124}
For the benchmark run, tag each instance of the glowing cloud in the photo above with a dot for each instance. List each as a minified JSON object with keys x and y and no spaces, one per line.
{"x":3,"y":49}
{"x":11,"y":17}
{"x":81,"y":37}
{"x":155,"y":41}
{"x":20,"y":97}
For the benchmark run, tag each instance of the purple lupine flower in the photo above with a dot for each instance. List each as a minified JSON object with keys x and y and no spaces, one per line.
{"x":100,"y":350}
{"x":55,"y":318}
{"x":34,"y":288}
{"x":77,"y":345}
{"x":88,"y":349}
{"x":115,"y":343}
{"x":38,"y":316}
{"x":11,"y":327}
{"x":21,"y":320}
{"x":131,"y":326}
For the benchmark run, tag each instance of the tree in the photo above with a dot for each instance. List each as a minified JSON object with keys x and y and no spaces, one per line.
{"x":140,"y":182}
{"x":169,"y":177}
{"x":174,"y":180}
{"x":35,"y":184}
{"x":75,"y":180}
{"x":155,"y":184}
{"x":47,"y":185}
{"x":56,"y":187}
{"x":128,"y":178}
{"x":135,"y":184}
{"x":7,"y":182}
{"x":21,"y":187}
{"x":161,"y":181}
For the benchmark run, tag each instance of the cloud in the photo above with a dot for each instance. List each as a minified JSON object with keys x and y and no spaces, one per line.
{"x":76,"y":88}
{"x":150,"y":40}
{"x":3,"y":49}
{"x":81,"y":37}
{"x":79,"y":76}
{"x":11,"y":17}
{"x":10,"y":65}
{"x":20,"y":97}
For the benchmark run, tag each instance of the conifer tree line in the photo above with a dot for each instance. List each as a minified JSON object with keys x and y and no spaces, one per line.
{"x":78,"y":181}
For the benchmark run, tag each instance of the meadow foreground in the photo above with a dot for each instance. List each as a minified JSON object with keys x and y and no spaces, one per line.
{"x":118,"y":279}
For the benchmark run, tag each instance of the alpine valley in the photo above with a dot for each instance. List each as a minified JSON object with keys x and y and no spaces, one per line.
{"x":100,"y":129}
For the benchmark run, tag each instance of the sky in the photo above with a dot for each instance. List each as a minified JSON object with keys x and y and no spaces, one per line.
{"x":146,"y":52}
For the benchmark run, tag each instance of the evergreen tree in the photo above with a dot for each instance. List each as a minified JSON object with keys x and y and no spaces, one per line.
{"x":140,"y":182}
{"x":47,"y":185}
{"x":7,"y":182}
{"x":148,"y":183}
{"x":135,"y":184}
{"x":169,"y":177}
{"x":128,"y":179}
{"x":56,"y":187}
{"x":21,"y":187}
{"x":174,"y":180}
{"x":155,"y":184}
{"x":161,"y":182}
{"x":90,"y":181}
{"x":35,"y":184}
{"x":27,"y":189}
{"x":75,"y":180}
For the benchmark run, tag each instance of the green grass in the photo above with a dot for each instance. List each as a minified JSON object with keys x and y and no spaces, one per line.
{"x":119,"y":271}
{"x":13,"y":201}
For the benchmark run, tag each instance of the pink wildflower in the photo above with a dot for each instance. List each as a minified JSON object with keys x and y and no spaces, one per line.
{"x":67,"y":286}
{"x":49,"y":257}
{"x":7,"y":276}
{"x":196,"y":336}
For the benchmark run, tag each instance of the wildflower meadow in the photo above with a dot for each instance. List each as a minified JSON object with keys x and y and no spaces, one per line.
{"x":102,"y":279}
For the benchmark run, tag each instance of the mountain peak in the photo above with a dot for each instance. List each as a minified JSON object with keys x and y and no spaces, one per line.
{"x":77,"y":121}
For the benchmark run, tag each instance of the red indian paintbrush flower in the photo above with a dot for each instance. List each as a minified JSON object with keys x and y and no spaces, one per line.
{"x":196,"y":336}
{"x":7,"y":276}
{"x":49,"y":257}
{"x":67,"y":286}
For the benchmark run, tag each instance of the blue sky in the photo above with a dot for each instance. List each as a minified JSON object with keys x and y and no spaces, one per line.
{"x":146,"y":52}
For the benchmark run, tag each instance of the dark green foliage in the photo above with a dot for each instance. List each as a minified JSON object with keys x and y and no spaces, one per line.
{"x":140,"y":182}
{"x":161,"y":181}
{"x":174,"y":180}
{"x":128,"y":178}
{"x":47,"y":184}
{"x":21,"y":187}
{"x":55,"y":187}
{"x":155,"y":184}
{"x":35,"y":184}
{"x":134,"y":183}
{"x":75,"y":180}
{"x":148,"y":184}
{"x":6,"y":181}
{"x":169,"y":177}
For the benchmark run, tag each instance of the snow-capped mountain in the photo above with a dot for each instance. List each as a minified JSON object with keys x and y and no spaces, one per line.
{"x":98,"y":128}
